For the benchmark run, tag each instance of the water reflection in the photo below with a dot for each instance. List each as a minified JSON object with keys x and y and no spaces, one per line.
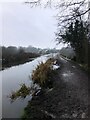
{"x":11,"y":80}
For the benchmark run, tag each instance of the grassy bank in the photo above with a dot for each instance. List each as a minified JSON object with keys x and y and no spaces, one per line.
{"x":85,"y":67}
{"x":59,"y":102}
{"x":44,"y":76}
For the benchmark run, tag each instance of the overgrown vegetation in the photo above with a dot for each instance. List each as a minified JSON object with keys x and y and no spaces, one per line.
{"x":43,"y":73}
{"x":22,"y":92}
{"x":76,"y":34}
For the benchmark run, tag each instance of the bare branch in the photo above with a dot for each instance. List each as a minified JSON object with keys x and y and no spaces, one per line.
{"x":69,"y":4}
{"x":34,"y":3}
{"x":68,"y":10}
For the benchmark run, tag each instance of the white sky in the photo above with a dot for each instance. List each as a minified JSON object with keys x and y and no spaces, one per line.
{"x":24,"y":26}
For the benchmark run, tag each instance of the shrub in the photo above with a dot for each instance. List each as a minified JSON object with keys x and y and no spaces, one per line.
{"x":43,"y":73}
{"x":22,"y":92}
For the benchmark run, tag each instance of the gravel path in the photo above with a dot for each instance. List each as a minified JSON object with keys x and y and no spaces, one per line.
{"x":69,"y":97}
{"x":78,"y":87}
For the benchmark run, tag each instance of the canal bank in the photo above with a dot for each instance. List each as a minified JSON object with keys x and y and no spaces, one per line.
{"x":12,"y":78}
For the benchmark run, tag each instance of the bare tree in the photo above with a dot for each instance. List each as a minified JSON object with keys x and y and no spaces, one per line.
{"x":69,"y":10}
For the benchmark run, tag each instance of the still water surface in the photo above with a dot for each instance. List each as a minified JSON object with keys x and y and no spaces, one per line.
{"x":11,"y":80}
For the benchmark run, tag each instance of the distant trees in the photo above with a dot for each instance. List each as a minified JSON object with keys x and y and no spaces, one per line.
{"x":9,"y":50}
{"x":13,"y":56}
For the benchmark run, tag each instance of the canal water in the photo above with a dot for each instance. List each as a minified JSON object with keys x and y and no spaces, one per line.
{"x":12,"y":78}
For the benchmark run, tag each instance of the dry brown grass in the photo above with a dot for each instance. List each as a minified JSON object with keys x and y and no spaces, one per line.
{"x":22,"y":92}
{"x":42,"y":74}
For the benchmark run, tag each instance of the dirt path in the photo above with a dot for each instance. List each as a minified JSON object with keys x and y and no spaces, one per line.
{"x":67,"y":99}
{"x":72,"y":74}
{"x":78,"y":86}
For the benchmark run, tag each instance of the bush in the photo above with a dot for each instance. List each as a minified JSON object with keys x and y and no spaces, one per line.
{"x":43,"y":73}
{"x":22,"y":92}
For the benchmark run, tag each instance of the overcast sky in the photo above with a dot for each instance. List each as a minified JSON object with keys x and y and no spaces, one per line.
{"x":24,"y":26}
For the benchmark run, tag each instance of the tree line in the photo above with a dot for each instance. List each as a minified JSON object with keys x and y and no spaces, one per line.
{"x":76,"y":35}
{"x":12,"y":56}
{"x":73,"y":25}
